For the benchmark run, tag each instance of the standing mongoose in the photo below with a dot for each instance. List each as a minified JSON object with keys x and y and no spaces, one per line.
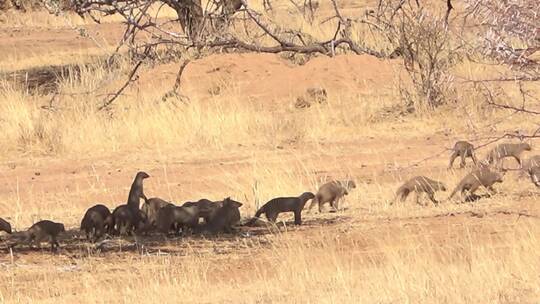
{"x":136,"y":192}
{"x":534,"y":173}
{"x":463,"y":149}
{"x":501,"y":151}
{"x":126,"y":220}
{"x":5,"y":226}
{"x":207,"y":208}
{"x":151,"y":207}
{"x":479,"y":177}
{"x":43,"y":230}
{"x":332,"y":192}
{"x":226,"y":217}
{"x":420,"y":185}
{"x":177,"y":218}
{"x":284,"y":204}
{"x":96,"y":221}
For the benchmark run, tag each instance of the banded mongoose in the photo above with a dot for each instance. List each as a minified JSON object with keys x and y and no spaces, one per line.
{"x":126,"y":220}
{"x":529,"y":163}
{"x":96,"y":222}
{"x":332,"y":192}
{"x":5,"y":226}
{"x":43,"y":230}
{"x":136,"y":192}
{"x":463,"y":149}
{"x":501,"y":151}
{"x":151,"y":207}
{"x":226,"y":217}
{"x":284,"y":204}
{"x":479,"y":177}
{"x":174,"y":218}
{"x":534,"y":173}
{"x":420,"y":185}
{"x":207,"y":208}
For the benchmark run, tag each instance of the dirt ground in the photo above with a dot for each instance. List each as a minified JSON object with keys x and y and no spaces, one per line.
{"x":368,"y":239}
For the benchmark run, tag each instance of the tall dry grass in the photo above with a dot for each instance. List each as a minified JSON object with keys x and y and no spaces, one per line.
{"x":327,"y":267}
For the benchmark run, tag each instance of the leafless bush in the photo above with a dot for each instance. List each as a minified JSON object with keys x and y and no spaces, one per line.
{"x":424,"y":42}
{"x":511,"y":29}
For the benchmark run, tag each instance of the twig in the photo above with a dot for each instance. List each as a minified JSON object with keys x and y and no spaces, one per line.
{"x":132,"y":77}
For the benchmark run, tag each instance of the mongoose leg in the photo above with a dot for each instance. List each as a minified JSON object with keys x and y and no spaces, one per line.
{"x":271,"y":216}
{"x":298,"y":217}
{"x":462,"y":165}
{"x":431,"y":196}
{"x":474,"y":159}
{"x":518,"y":161}
{"x":418,"y":194}
{"x":452,"y":159}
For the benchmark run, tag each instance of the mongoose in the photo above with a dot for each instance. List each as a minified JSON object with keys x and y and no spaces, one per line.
{"x":96,"y":221}
{"x":126,"y":220}
{"x":226,"y":217}
{"x":501,"y":151}
{"x":463,"y":149}
{"x":284,"y":204}
{"x":175,"y":218}
{"x":529,"y":163}
{"x":43,"y":230}
{"x":136,"y":192}
{"x":332,"y":192}
{"x":5,"y":226}
{"x":151,"y":207}
{"x":207,"y":208}
{"x":534,"y":173}
{"x":479,"y":177}
{"x":419,"y":184}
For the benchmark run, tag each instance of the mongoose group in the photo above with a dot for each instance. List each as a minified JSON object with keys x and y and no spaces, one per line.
{"x":159,"y":216}
{"x":485,"y":173}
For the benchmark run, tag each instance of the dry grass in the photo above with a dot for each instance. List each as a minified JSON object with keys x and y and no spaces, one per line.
{"x":224,"y":143}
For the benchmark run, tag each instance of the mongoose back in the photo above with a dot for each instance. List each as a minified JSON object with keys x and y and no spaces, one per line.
{"x":226,"y":217}
{"x":151,"y":207}
{"x":207,"y":208}
{"x":43,"y":230}
{"x":174,"y":218}
{"x":501,"y":151}
{"x":284,"y":204}
{"x":5,"y":226}
{"x":96,"y":221}
{"x":136,"y":192}
{"x":420,"y":185}
{"x":332,"y":192}
{"x":479,"y":177}
{"x":126,"y":220}
{"x":463,"y":149}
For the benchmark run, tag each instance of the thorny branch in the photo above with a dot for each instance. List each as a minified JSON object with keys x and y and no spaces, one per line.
{"x":211,"y":28}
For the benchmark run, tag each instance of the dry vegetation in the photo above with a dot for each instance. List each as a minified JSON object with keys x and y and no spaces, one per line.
{"x":240,"y":135}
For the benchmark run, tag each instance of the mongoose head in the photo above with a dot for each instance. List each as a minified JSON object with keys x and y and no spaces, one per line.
{"x":228,"y":202}
{"x":351,"y":184}
{"x":499,"y":176}
{"x":60,"y":227}
{"x":5,"y":226}
{"x":442,"y":187}
{"x":525,"y":146}
{"x":307,"y":196}
{"x":141,"y":175}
